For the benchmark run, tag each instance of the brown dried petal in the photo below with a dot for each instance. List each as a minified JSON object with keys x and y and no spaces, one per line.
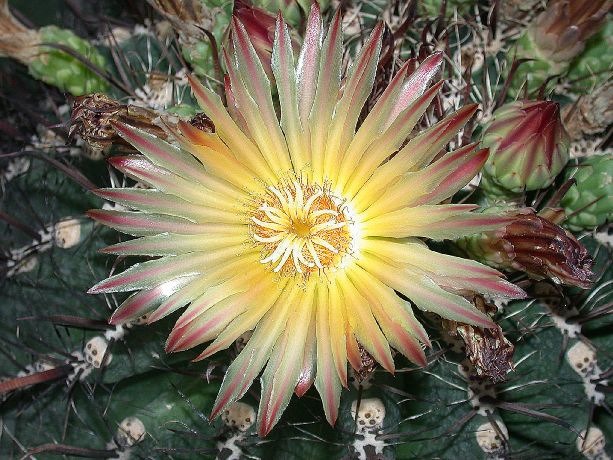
{"x":488,"y":350}
{"x":92,"y":116}
{"x":367,"y":367}
{"x":591,"y":114}
{"x":202,"y":122}
{"x":543,"y":249}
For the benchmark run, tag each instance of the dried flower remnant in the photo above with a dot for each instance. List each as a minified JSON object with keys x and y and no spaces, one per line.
{"x":536,"y":246}
{"x":560,"y":32}
{"x":93,"y":115}
{"x":489,"y":351}
{"x":297,"y":228}
{"x":591,"y":114}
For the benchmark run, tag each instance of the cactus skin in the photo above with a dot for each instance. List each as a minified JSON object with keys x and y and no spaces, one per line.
{"x":528,"y":146}
{"x":589,"y":203}
{"x":200,"y":53}
{"x":595,"y":65}
{"x":554,"y":38}
{"x":57,"y":68}
{"x":530,"y":75}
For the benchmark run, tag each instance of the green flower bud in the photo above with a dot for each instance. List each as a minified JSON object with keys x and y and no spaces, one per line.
{"x":528,"y":146}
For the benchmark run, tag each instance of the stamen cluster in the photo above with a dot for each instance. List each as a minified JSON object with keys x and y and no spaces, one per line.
{"x":301,"y":227}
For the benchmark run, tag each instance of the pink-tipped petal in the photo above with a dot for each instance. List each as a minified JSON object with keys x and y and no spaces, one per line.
{"x":146,"y":300}
{"x":283,"y":370}
{"x":251,"y":360}
{"x":327,"y":380}
{"x":308,"y":64}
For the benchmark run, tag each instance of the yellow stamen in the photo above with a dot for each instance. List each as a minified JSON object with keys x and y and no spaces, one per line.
{"x":300,"y":227}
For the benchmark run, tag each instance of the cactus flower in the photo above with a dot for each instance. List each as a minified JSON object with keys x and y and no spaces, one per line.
{"x":528,"y":146}
{"x":300,"y":228}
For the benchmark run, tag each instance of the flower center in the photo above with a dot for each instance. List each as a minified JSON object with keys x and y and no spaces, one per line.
{"x":300,"y":227}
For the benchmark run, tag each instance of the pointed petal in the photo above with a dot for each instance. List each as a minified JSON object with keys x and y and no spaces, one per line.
{"x":141,"y":169}
{"x":373,"y":125}
{"x":327,"y":381}
{"x":338,"y":328}
{"x":389,"y":142}
{"x":160,"y":202}
{"x":267,"y":137}
{"x":159,"y":152}
{"x":217,"y":275}
{"x":379,"y":294}
{"x":364,"y":325}
{"x":179,"y":299}
{"x":416,"y":85}
{"x":144,"y":301}
{"x":285,"y":77}
{"x":425,"y":293}
{"x":309,"y":363}
{"x":308,"y":64}
{"x":421,"y":150}
{"x":251,"y":360}
{"x":437,"y":222}
{"x":256,"y":82}
{"x":171,"y":244}
{"x":230,"y":133}
{"x":283,"y":370}
{"x":430,"y":185}
{"x":357,"y":87}
{"x":326,"y":96}
{"x":448,"y":271}
{"x":143,"y":224}
{"x":153,"y":272}
{"x":245,"y":322}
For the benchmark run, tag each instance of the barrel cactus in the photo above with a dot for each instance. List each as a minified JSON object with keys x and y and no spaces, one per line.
{"x":320,"y":252}
{"x":589,"y":202}
{"x":555,"y":38}
{"x":48,"y":53}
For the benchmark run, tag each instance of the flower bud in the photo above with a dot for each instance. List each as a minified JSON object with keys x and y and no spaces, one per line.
{"x":260,"y":26}
{"x":528,"y":145}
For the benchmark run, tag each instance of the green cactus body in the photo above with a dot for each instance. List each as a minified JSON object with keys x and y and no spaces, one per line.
{"x":183,"y":110}
{"x":595,"y":65}
{"x":533,"y":73}
{"x":432,"y":8}
{"x":57,"y":68}
{"x":589,"y":203}
{"x":290,"y":10}
{"x":199,"y":54}
{"x":494,"y":192}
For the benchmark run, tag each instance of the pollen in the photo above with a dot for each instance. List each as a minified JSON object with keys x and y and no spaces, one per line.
{"x":301,"y":227}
